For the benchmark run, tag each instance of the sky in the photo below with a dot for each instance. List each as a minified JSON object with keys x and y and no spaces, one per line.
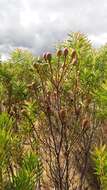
{"x":38,"y":25}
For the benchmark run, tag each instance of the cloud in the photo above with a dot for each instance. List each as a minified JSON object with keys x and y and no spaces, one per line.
{"x":38,"y":25}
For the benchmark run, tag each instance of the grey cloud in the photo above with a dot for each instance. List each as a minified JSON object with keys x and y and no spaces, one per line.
{"x":38,"y":25}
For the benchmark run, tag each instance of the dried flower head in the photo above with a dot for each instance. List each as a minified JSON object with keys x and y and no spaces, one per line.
{"x":66,"y":52}
{"x":59,"y":53}
{"x":73,"y":54}
{"x":49,"y":56}
{"x":63,"y":113}
{"x":85,"y":123}
{"x":74,"y":61}
{"x":44,"y":56}
{"x":34,"y":65}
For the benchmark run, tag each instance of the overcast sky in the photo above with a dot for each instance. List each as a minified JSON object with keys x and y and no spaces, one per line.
{"x":39,"y":24}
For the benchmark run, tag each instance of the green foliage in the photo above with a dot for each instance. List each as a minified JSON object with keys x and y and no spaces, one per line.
{"x":29,"y":173}
{"x":99,"y":156}
{"x":5,"y":138}
{"x":28,"y":165}
{"x":6,"y":122}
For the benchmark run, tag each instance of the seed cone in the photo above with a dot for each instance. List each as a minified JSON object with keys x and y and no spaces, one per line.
{"x":23,"y":111}
{"x":88,"y":100}
{"x":44,"y":56}
{"x":65,"y":52}
{"x":74,"y":61}
{"x":48,"y":109}
{"x":77,"y":111}
{"x":34,"y":65}
{"x":59,"y":53}
{"x":62,"y":113}
{"x":49,"y":56}
{"x":73,"y":54}
{"x":29,"y":86}
{"x":85,"y":123}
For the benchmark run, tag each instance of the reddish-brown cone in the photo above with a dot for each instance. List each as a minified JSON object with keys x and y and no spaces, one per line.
{"x":44,"y":56}
{"x":88,"y":100}
{"x":85,"y":123}
{"x":73,"y":54}
{"x":34,"y":65}
{"x":59,"y":52}
{"x":62,"y":113}
{"x":65,"y":52}
{"x":48,"y":109}
{"x":49,"y":56}
{"x":23,"y":111}
{"x":77,"y":111}
{"x":29,"y":86}
{"x":74,"y":61}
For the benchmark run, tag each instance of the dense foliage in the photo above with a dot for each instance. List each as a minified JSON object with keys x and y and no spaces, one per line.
{"x":100,"y":161}
{"x":52,"y":114}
